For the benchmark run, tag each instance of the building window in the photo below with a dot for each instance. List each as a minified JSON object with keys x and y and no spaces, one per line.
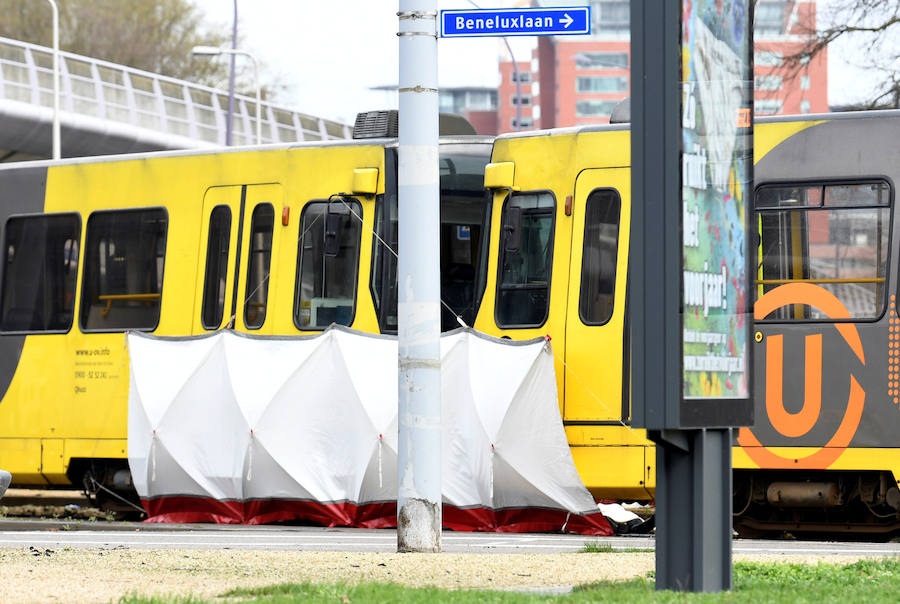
{"x":480,"y":100}
{"x":610,"y":17}
{"x":218,"y":242}
{"x":598,"y":264}
{"x":594,"y":108}
{"x":770,"y":18}
{"x":41,"y":268}
{"x":458,"y":101}
{"x":767,"y":106}
{"x":603,"y":84}
{"x":767,"y":58}
{"x":524,"y":77}
{"x":804,"y":106}
{"x":601,"y":60}
{"x":259,"y":260}
{"x":327,"y":264}
{"x":768,"y":82}
{"x":523,"y":122}
{"x":523,"y":100}
{"x":526,"y":257}
{"x":804,"y":82}
{"x":124,"y":257}
{"x":446,"y":102}
{"x":832,"y":236}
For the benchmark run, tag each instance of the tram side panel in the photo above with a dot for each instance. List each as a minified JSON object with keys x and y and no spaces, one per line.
{"x":86,"y":264}
{"x":528,"y":262}
{"x":823,"y":448}
{"x":851,"y":162}
{"x":587,"y":176}
{"x":23,"y":193}
{"x":129,"y":246}
{"x":320,"y":271}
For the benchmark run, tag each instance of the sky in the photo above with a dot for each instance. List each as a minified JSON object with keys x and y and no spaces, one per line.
{"x":848,"y":82}
{"x":326,"y":55}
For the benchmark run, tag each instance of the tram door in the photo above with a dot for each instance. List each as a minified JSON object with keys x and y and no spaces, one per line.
{"x":595,"y":322}
{"x":238,"y":242}
{"x":596,"y":383}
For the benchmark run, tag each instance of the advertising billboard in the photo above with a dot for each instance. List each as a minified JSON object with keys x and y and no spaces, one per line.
{"x":716,"y":185}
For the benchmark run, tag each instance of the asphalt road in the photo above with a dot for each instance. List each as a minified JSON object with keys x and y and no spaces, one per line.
{"x":55,"y":534}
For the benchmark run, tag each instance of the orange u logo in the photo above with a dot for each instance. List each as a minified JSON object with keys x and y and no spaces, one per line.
{"x":797,"y":424}
{"x":793,"y":424}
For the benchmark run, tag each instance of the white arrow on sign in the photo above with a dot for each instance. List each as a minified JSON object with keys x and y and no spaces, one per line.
{"x":566,"y":20}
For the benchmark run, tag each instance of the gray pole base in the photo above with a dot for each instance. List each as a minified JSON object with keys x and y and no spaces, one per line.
{"x":693,"y":509}
{"x":5,"y":479}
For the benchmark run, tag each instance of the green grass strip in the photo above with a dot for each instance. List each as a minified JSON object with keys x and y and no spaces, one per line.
{"x":599,"y":547}
{"x":867,"y":581}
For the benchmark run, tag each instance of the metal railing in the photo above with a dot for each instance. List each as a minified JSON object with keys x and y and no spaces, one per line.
{"x":108,"y":91}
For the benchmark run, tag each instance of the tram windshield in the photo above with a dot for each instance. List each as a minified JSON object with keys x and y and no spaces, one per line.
{"x":465,"y":226}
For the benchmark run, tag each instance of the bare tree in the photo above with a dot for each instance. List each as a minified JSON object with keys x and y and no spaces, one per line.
{"x":153,"y":35}
{"x":874,"y":25}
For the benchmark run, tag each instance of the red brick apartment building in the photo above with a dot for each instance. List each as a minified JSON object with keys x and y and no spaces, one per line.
{"x":576,"y":80}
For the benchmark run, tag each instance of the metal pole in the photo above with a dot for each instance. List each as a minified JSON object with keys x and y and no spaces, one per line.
{"x":57,"y":145}
{"x":256,"y":79}
{"x":258,"y":104}
{"x":418,"y":281}
{"x":212,"y":51}
{"x":693,"y":509}
{"x":230,"y":116}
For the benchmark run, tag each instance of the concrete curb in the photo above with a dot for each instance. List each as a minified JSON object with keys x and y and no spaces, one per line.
{"x":40,"y":524}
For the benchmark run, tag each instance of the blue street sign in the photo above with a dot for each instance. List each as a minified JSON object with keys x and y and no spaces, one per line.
{"x":573,"y":20}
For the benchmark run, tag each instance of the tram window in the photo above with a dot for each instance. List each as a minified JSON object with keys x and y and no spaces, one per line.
{"x":875,"y":194}
{"x":218,"y":242}
{"x":41,"y":267}
{"x":523,"y":289}
{"x":327,"y":264}
{"x":465,"y":216}
{"x":259,"y":259}
{"x":384,"y":263}
{"x":834,"y":236}
{"x":124,"y":257}
{"x":598,"y":264}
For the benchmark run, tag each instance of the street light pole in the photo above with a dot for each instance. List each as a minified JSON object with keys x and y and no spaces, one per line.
{"x":57,"y":150}
{"x":230,"y":117}
{"x":515,"y":67}
{"x":214,"y":51}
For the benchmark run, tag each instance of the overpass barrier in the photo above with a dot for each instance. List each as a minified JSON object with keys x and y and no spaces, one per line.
{"x":179,"y":110}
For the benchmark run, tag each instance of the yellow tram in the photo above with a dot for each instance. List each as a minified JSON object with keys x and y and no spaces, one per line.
{"x":534,"y":242}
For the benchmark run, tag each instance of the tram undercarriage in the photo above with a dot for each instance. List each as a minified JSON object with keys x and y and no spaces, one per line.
{"x":816,"y":505}
{"x":107,"y":485}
